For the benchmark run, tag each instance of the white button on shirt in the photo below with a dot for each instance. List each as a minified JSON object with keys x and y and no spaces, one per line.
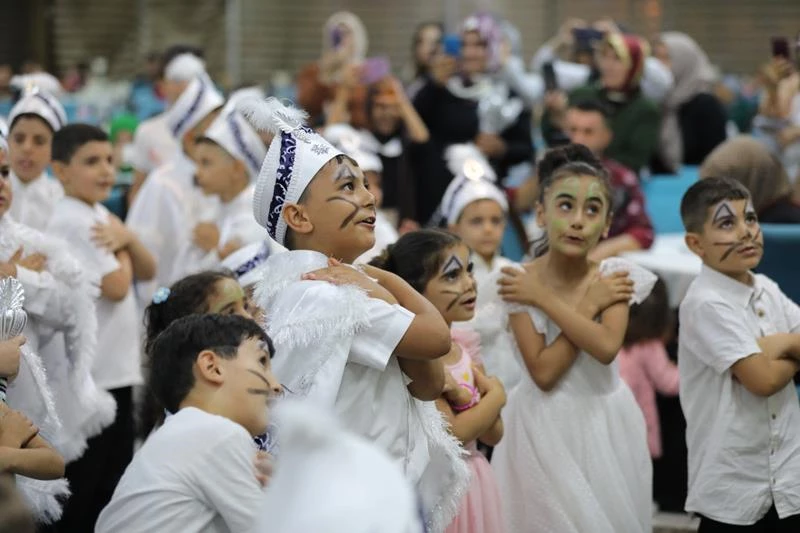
{"x":744,"y":449}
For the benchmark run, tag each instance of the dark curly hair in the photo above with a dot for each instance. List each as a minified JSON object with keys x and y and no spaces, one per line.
{"x":417,"y":256}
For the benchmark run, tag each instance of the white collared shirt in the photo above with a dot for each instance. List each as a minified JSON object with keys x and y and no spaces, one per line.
{"x":34,"y":202}
{"x":116,"y":362}
{"x":744,"y":449}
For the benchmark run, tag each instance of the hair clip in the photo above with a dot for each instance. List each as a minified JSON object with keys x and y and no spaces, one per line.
{"x":161,"y":295}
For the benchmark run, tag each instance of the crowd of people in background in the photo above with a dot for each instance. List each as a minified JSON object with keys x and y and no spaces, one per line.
{"x":363,"y":301}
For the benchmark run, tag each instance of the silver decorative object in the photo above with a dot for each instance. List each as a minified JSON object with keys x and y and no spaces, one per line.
{"x":496,"y":111}
{"x":12,"y":316}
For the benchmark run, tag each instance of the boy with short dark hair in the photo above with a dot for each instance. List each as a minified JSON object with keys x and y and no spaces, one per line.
{"x":82,"y":161}
{"x":739,"y":349}
{"x":196,"y":472}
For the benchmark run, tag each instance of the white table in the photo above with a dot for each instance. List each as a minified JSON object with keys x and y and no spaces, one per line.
{"x":670,"y":258}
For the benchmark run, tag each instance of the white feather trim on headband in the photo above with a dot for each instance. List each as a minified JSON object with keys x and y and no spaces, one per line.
{"x":466,"y":160}
{"x":272,"y":115}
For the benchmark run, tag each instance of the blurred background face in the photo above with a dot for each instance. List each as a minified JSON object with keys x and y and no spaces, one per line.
{"x":473,"y":54}
{"x":427,"y":43}
{"x":661,"y":53}
{"x":612,"y":70}
{"x":588,"y":128}
{"x":385,"y":116}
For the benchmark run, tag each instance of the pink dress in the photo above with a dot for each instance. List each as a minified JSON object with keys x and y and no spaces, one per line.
{"x":481,"y":509}
{"x":646,"y":368}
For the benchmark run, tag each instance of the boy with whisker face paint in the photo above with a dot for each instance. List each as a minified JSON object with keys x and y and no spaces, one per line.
{"x":362,"y":342}
{"x":196,"y":472}
{"x":739,"y":348}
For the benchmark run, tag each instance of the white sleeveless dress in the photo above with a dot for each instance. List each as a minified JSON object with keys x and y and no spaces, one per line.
{"x":575,"y":459}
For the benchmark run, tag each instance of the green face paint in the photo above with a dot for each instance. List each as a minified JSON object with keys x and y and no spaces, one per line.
{"x":227,"y":294}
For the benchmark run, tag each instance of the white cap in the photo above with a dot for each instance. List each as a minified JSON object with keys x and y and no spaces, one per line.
{"x":328,"y":479}
{"x":355,"y":144}
{"x":246,"y":262}
{"x":294,"y":157}
{"x":44,"y":81}
{"x":474,"y":180}
{"x":236,"y":136}
{"x":3,"y":135}
{"x":184,"y":67}
{"x":195,"y":103}
{"x":38,"y":102}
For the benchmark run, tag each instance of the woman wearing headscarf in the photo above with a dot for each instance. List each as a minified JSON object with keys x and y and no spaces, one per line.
{"x":694,"y":120}
{"x":747,"y":160}
{"x":633,"y":118}
{"x":465,"y":102}
{"x":335,"y":75}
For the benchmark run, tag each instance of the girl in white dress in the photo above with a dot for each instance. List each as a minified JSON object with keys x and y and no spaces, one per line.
{"x":574,"y":457}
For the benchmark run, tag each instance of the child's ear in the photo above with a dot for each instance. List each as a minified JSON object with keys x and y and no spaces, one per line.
{"x":240,"y":169}
{"x":296,"y":217}
{"x":452,"y":228}
{"x":609,"y":221}
{"x":695,"y":243}
{"x":209,"y":368}
{"x":59,"y":169}
{"x":540,"y":215}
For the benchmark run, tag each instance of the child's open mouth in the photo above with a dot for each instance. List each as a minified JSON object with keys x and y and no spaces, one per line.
{"x":369,"y":222}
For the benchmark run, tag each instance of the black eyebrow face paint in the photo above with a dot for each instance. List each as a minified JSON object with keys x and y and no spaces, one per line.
{"x":453,"y":263}
{"x":749,"y":209}
{"x":349,"y":217}
{"x":724,"y":210}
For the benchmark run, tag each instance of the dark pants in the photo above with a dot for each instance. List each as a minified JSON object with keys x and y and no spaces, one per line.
{"x":769,"y":524}
{"x":94,"y":476}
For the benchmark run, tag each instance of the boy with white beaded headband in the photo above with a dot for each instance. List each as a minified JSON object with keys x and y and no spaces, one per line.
{"x":375,"y":342}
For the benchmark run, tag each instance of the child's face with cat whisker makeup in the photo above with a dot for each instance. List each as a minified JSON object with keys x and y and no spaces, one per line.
{"x":452,"y":290}
{"x":731,"y":241}
{"x":337,"y":216}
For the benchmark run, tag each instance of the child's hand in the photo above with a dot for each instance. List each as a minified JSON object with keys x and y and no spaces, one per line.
{"x":34,"y":262}
{"x":206,"y":236}
{"x":522,"y":286}
{"x":488,"y":384}
{"x":339,"y":274}
{"x":229,"y":247}
{"x":113,"y":236}
{"x":264,"y":465}
{"x":9,"y":269}
{"x":9,"y":356}
{"x":15,"y":429}
{"x":605,"y":291}
{"x":454,"y":393}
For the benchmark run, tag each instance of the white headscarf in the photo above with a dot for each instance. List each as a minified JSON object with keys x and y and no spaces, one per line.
{"x":693,"y":74}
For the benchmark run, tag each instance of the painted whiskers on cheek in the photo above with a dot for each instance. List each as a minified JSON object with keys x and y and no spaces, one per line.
{"x":456,"y":297}
{"x":349,"y":218}
{"x":263,"y":392}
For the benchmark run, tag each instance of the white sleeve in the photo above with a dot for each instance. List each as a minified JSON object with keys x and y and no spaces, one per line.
{"x":657,"y":80}
{"x":720,"y":338}
{"x":545,"y":54}
{"x":529,"y":86}
{"x":45,"y":297}
{"x":228,"y":481}
{"x":571,"y":76}
{"x":96,"y":259}
{"x":374,"y":346}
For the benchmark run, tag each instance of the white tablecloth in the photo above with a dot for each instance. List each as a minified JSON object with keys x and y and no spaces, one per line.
{"x":670,"y":258}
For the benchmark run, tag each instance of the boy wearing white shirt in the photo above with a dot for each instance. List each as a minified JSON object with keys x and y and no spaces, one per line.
{"x":33,"y":121}
{"x":82,"y":161}
{"x":475,"y":209}
{"x":169,"y":204}
{"x":738,"y":352}
{"x":366,"y":347}
{"x":197,"y":472}
{"x":228,"y":158}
